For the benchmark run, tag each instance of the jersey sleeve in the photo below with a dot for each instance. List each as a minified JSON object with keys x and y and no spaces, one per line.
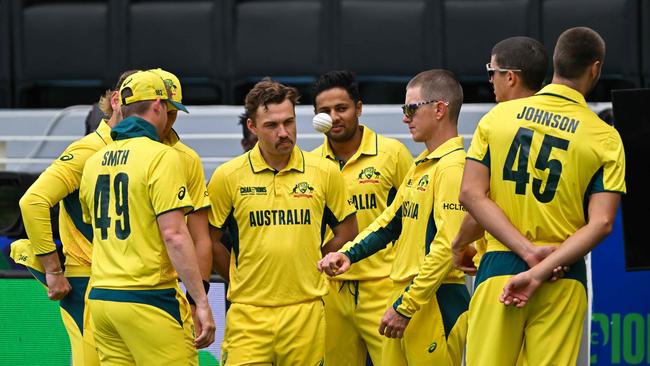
{"x":338,"y":204}
{"x":167,"y":189}
{"x":479,"y":149}
{"x":220,"y":199}
{"x":437,"y":263}
{"x":60,"y":179}
{"x":614,"y":165}
{"x":386,"y":228}
{"x":196,"y":183}
{"x":404,"y":164}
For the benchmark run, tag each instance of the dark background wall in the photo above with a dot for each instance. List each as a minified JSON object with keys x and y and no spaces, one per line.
{"x":56,"y":53}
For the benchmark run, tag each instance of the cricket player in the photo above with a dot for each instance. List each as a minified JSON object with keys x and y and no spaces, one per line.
{"x":135,"y":199}
{"x":373,"y":168}
{"x":428,"y":294}
{"x":541,"y":171}
{"x":275,"y":201}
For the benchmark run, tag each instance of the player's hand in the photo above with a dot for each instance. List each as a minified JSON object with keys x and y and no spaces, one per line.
{"x":538,"y":254}
{"x":558,"y":273}
{"x":393,"y":324}
{"x":195,"y":319}
{"x":334,"y":264}
{"x":519,"y":289}
{"x":58,"y":286}
{"x":464,"y":260}
{"x":205,"y":323}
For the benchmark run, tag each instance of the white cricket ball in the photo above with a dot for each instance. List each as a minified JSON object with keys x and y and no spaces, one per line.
{"x":322,"y":122}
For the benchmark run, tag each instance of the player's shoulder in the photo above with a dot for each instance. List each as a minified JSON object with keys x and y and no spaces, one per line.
{"x":318,"y":150}
{"x":236,"y":164}
{"x":389,"y":144}
{"x":315,"y":161}
{"x":186,"y":152}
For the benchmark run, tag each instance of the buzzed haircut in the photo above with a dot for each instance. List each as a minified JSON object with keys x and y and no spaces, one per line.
{"x":577,"y":49}
{"x":268,"y":92}
{"x":525,"y":54}
{"x":344,"y":79}
{"x":439,"y":84}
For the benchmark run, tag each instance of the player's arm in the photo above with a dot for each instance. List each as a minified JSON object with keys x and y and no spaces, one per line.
{"x":404,"y":164}
{"x":345,"y":231}
{"x":220,"y":194}
{"x":386,"y":228}
{"x":461,"y":250}
{"x":602,"y":214}
{"x":221,"y":254}
{"x":437,"y":261}
{"x":181,"y":252}
{"x":164,"y":189}
{"x":607,"y":186}
{"x":61,"y":178}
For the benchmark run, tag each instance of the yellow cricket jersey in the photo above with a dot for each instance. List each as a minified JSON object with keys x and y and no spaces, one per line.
{"x":193,"y":171}
{"x":425,"y":216}
{"x":546,"y":154}
{"x":124,"y":188}
{"x":372,"y":175}
{"x":60,"y":182}
{"x":277,"y":221}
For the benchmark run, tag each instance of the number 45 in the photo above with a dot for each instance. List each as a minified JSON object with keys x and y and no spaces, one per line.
{"x":521,"y":176}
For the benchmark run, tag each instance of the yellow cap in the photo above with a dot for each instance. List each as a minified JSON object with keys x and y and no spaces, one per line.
{"x":146,"y":85}
{"x":172,"y":82}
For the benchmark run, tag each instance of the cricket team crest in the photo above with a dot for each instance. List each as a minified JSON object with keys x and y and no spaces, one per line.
{"x":369,"y":175}
{"x":302,"y":189}
{"x":423,"y":183}
{"x":170,"y":84}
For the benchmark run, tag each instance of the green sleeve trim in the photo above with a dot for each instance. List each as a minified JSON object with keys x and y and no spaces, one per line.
{"x":485,"y":161}
{"x":48,"y":253}
{"x":174,"y":209}
{"x":377,"y":240}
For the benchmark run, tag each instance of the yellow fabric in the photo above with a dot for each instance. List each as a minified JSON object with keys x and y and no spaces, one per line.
{"x":424,"y":341}
{"x":426,"y":215}
{"x":353,"y":311}
{"x":141,"y":334}
{"x":282,"y":335}
{"x":568,"y":144}
{"x":275,"y":221}
{"x":147,"y":85}
{"x":377,"y":168}
{"x":22,"y":252}
{"x":134,"y":180}
{"x":191,"y":161}
{"x":496,"y":333}
{"x":172,"y":82}
{"x":481,"y":247}
{"x":58,"y":182}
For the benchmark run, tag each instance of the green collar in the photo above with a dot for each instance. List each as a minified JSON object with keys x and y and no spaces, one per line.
{"x":133,"y":126}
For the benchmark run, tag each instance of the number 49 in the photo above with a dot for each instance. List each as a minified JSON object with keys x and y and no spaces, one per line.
{"x":102,"y":201}
{"x":521,"y":176}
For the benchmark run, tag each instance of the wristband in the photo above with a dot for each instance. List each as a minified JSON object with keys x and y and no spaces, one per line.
{"x":206,"y":287}
{"x":59,"y":272}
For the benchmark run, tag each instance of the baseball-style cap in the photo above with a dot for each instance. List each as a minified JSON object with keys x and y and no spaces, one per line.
{"x":146,"y":85}
{"x":172,"y":82}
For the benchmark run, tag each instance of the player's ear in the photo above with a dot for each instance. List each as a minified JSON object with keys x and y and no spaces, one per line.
{"x":250,"y":123}
{"x":359,"y":108}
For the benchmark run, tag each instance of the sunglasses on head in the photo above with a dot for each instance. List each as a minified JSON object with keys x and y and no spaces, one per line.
{"x":491,"y":70}
{"x":410,"y":109}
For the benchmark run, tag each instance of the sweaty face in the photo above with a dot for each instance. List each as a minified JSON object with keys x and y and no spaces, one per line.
{"x":344,"y":112}
{"x":275,"y":128}
{"x":421,"y":124}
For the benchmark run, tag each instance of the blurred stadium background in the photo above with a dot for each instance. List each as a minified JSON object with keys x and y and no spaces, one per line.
{"x":58,"y":56}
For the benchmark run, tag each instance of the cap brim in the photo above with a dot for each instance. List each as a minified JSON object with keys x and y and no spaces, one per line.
{"x":177,"y":105}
